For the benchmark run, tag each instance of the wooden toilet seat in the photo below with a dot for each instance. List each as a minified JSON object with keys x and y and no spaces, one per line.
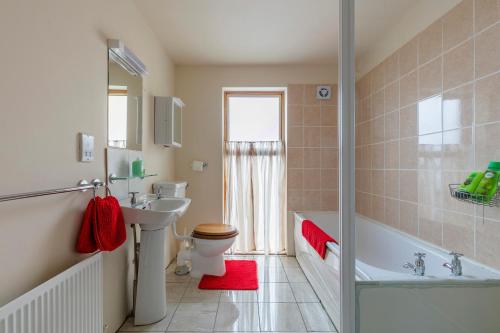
{"x":214,"y":231}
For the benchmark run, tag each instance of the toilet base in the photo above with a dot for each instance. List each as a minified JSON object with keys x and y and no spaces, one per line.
{"x":207,"y":265}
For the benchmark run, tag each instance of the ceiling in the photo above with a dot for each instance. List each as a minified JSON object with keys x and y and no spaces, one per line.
{"x":258,"y":32}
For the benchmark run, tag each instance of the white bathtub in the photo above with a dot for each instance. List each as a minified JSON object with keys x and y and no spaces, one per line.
{"x":388,"y":297}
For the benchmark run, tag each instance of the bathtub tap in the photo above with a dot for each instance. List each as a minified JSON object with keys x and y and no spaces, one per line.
{"x":419,"y":267}
{"x":456,"y":264}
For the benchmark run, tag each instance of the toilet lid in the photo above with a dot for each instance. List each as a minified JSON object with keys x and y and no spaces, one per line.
{"x":215,"y":229}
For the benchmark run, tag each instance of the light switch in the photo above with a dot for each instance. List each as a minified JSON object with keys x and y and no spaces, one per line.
{"x":86,"y":147}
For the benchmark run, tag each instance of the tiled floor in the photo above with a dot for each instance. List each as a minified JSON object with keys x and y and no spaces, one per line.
{"x":284,"y":302}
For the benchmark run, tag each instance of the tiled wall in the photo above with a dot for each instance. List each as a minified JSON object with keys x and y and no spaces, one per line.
{"x":426,"y":116}
{"x":312,"y":150}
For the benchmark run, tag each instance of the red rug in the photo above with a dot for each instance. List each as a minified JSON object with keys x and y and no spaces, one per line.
{"x":240,"y":275}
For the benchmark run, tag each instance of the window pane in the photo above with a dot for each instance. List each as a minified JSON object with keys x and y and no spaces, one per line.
{"x":253,"y":118}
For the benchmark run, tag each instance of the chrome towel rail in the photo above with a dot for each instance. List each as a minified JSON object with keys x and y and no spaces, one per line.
{"x":82,"y":186}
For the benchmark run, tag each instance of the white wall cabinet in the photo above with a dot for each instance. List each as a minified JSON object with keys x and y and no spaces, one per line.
{"x":168,"y":121}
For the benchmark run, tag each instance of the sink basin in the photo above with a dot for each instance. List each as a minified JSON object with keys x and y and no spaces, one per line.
{"x":155,"y":214}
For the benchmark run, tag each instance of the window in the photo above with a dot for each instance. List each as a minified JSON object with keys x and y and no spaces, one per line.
{"x":117,"y":116}
{"x":252,"y":116}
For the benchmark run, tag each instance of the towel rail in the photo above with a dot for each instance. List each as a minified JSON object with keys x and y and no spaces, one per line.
{"x":82,"y":186}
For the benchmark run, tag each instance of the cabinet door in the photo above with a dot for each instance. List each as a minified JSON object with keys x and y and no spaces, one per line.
{"x":177,"y":123}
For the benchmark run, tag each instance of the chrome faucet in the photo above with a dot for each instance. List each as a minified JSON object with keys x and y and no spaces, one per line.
{"x":133,"y":199}
{"x":456,"y":264}
{"x":419,"y":267}
{"x":158,"y":193}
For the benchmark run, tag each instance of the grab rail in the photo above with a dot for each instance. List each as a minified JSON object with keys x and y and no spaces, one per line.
{"x":82,"y":186}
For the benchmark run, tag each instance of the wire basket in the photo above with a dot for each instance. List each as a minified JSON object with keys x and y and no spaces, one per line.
{"x":476,"y":199}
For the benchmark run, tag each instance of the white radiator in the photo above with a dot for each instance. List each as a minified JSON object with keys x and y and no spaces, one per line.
{"x":70,"y":302}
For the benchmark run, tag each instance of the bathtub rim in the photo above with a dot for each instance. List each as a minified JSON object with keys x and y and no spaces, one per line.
{"x":435,"y":249}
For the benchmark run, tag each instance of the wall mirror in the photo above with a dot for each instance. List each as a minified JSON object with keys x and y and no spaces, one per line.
{"x":124,"y":97}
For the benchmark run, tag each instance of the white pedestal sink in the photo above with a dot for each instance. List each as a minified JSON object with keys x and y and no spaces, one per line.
{"x":153,"y":215}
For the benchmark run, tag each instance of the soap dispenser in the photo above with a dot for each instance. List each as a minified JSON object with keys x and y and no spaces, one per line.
{"x":138,"y":168}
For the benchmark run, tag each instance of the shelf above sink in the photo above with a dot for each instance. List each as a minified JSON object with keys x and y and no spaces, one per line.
{"x":113,"y":178}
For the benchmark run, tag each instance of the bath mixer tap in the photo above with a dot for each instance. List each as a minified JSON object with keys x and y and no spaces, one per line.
{"x":456,"y":265}
{"x":419,"y":267}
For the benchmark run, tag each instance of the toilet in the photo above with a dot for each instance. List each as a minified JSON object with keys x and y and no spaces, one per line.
{"x":209,"y":241}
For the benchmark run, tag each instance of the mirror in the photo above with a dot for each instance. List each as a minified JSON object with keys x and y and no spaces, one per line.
{"x":124,"y":108}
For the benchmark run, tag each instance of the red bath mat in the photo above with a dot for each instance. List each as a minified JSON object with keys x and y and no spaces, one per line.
{"x":240,"y":275}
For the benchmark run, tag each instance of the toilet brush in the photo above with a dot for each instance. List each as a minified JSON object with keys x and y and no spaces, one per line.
{"x":183,"y":257}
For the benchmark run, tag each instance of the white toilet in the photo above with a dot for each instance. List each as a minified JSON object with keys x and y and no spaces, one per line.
{"x":210,"y":241}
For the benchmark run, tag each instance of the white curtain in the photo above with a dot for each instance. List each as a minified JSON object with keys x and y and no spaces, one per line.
{"x":254,"y":179}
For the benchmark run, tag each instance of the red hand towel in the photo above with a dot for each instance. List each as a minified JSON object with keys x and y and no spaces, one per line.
{"x":109,"y":226}
{"x":316,"y":237}
{"x":86,"y":239}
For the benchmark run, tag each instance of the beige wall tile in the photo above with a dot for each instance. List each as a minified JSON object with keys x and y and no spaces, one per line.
{"x":295,"y":158}
{"x":408,"y":185}
{"x":408,"y":217}
{"x":392,"y":155}
{"x":378,"y":79}
{"x":312,"y":200}
{"x":295,"y":179}
{"x":458,"y":233}
{"x":391,"y":68}
{"x":312,"y":136}
{"x":378,"y":156}
{"x":334,"y":100}
{"x":312,"y":116}
{"x":378,"y":208}
{"x":430,"y":189}
{"x":488,"y":99}
{"x":392,"y":125}
{"x":295,"y":115}
{"x":430,"y":148}
{"x":458,"y":149}
{"x":488,"y":242}
{"x":487,"y":12}
{"x":430,"y":78}
{"x":363,"y":133}
{"x":328,"y":115}
{"x":458,"y":24}
{"x":329,"y":158}
{"x":364,"y":86}
{"x":363,"y":204}
{"x":329,"y":137}
{"x":392,"y":184}
{"x":457,"y":108}
{"x":487,"y":147}
{"x":392,"y":212}
{"x":329,"y":179}
{"x":408,"y":89}
{"x":378,"y":107}
{"x":458,"y":65}
{"x":364,"y":110}
{"x":312,"y":179}
{"x":378,"y":130}
{"x":449,"y":202}
{"x":408,"y":121}
{"x":408,"y":57}
{"x":295,"y":94}
{"x":310,"y":95}
{"x":430,"y":224}
{"x":391,"y":98}
{"x":363,"y":180}
{"x":295,"y":136}
{"x":378,"y":182}
{"x":330,"y":200}
{"x":408,"y":153}
{"x":294,"y":199}
{"x":488,"y":51}
{"x":312,"y":158}
{"x":363,"y":157}
{"x":430,"y":42}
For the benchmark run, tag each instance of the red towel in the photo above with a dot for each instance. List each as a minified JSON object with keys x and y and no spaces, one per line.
{"x":103,"y":227}
{"x":316,"y":237}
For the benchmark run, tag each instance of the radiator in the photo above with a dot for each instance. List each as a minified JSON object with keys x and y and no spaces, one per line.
{"x":70,"y":302}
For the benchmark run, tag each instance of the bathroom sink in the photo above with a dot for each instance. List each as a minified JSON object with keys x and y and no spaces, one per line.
{"x":154,"y":214}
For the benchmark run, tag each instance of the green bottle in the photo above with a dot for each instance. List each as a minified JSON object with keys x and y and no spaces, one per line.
{"x":137,"y":168}
{"x":469,"y":185}
{"x":488,"y":186}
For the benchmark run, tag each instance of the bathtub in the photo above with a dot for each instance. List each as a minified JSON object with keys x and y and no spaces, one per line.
{"x":390,"y":298}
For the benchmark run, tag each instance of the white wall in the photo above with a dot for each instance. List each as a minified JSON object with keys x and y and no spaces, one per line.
{"x":200,"y":88}
{"x":54,"y":85}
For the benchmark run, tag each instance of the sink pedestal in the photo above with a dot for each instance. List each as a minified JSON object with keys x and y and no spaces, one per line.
{"x":151,"y":302}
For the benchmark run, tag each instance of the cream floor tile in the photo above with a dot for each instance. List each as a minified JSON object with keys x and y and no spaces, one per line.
{"x":284,"y":317}
{"x":175,"y":291}
{"x":195,"y":317}
{"x":275,"y":292}
{"x":160,"y":326}
{"x":289,"y":261}
{"x":271,"y":274}
{"x":268,"y":260}
{"x":195,"y":295}
{"x":237,"y":317}
{"x":295,"y":274}
{"x":315,"y":318}
{"x":238,"y":296}
{"x":303,"y":292}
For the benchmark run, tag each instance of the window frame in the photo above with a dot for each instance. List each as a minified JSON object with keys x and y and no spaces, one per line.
{"x":256,"y":93}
